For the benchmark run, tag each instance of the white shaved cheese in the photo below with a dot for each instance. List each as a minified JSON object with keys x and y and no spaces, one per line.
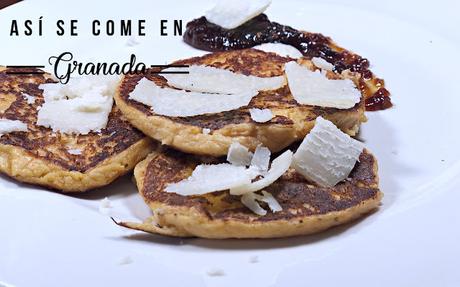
{"x":314,"y":88}
{"x":80,"y":106}
{"x":261,"y":159}
{"x":230,"y":14}
{"x":30,"y":99}
{"x":238,"y":154}
{"x":278,"y":167}
{"x":208,"y":79}
{"x":268,"y":198}
{"x":206,"y":131}
{"x":326,"y":155}
{"x":210,"y":178}
{"x":81,"y":87}
{"x":283,"y":50}
{"x":322,"y":64}
{"x":53,"y":91}
{"x":261,"y":115}
{"x":249,"y":200}
{"x":105,"y":203}
{"x":178,"y":103}
{"x":74,"y":151}
{"x":105,"y":206}
{"x":8,"y":126}
{"x":75,"y":115}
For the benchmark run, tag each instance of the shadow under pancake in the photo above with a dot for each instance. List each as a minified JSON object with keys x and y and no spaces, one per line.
{"x":247,"y":244}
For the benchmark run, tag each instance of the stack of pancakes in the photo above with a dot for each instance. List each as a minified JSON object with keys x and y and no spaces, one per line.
{"x":307,"y":208}
{"x":134,"y":130}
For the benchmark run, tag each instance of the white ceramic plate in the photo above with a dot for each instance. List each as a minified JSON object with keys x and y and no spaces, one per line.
{"x":49,"y":239}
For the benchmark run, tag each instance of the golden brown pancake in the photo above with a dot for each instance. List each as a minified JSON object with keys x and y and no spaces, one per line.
{"x":42,"y":157}
{"x":307,"y":208}
{"x":291,"y":123}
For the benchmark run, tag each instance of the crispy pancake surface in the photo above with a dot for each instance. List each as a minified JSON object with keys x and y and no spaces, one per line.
{"x":307,"y":208}
{"x":291,"y":122}
{"x":40,"y":156}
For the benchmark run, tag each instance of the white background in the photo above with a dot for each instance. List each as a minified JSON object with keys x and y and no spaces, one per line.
{"x":49,"y":239}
